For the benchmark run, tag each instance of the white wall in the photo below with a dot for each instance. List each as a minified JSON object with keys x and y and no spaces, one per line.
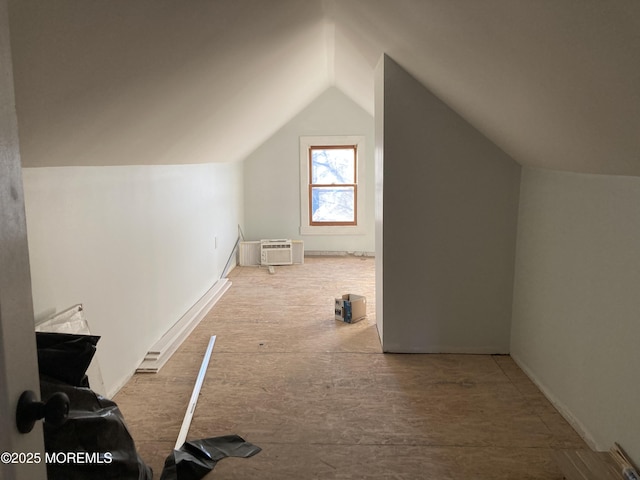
{"x":448,"y":225}
{"x":576,"y":320}
{"x":134,"y":244}
{"x":272,"y":175}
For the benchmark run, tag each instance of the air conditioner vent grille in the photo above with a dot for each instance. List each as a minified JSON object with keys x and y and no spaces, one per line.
{"x":276,"y":252}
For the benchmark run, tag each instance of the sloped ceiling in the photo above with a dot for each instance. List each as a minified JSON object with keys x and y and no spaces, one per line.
{"x":556,"y":84}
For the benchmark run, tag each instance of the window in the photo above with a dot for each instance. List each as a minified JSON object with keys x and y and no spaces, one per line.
{"x":331,"y":185}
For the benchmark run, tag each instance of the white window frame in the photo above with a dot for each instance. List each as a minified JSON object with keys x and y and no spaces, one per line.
{"x":307,"y":142}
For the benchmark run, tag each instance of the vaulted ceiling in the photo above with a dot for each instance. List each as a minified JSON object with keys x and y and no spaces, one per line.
{"x":556,"y":84}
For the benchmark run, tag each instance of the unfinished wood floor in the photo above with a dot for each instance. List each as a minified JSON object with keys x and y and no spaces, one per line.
{"x":323,"y":402}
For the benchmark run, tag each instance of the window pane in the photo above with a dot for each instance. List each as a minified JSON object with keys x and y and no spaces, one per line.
{"x":333,"y":165}
{"x":332,"y":204}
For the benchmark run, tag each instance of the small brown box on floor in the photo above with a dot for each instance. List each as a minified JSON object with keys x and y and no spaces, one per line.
{"x":351,"y":308}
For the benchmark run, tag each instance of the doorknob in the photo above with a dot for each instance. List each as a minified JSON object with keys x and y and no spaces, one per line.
{"x":30,"y":409}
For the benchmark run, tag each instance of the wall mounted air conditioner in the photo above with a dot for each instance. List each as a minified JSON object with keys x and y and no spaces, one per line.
{"x":276,"y":252}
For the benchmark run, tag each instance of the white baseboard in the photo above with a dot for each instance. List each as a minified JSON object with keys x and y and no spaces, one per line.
{"x":577,"y":425}
{"x":173,"y":338}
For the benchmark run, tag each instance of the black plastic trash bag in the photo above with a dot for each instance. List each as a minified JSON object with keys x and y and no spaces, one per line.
{"x":94,"y":441}
{"x":196,"y":458}
{"x":66,"y":356}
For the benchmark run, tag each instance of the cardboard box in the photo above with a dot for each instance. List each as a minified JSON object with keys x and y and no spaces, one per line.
{"x":351,"y":308}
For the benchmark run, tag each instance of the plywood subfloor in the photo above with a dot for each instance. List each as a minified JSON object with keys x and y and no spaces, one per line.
{"x":323,"y":402}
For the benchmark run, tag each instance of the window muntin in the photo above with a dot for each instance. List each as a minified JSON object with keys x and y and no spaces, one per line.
{"x":333,"y":185}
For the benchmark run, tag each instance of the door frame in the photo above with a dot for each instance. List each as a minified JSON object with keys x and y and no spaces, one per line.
{"x":18,"y":357}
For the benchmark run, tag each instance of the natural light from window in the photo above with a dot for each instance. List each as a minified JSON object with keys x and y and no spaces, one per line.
{"x":332,"y":185}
